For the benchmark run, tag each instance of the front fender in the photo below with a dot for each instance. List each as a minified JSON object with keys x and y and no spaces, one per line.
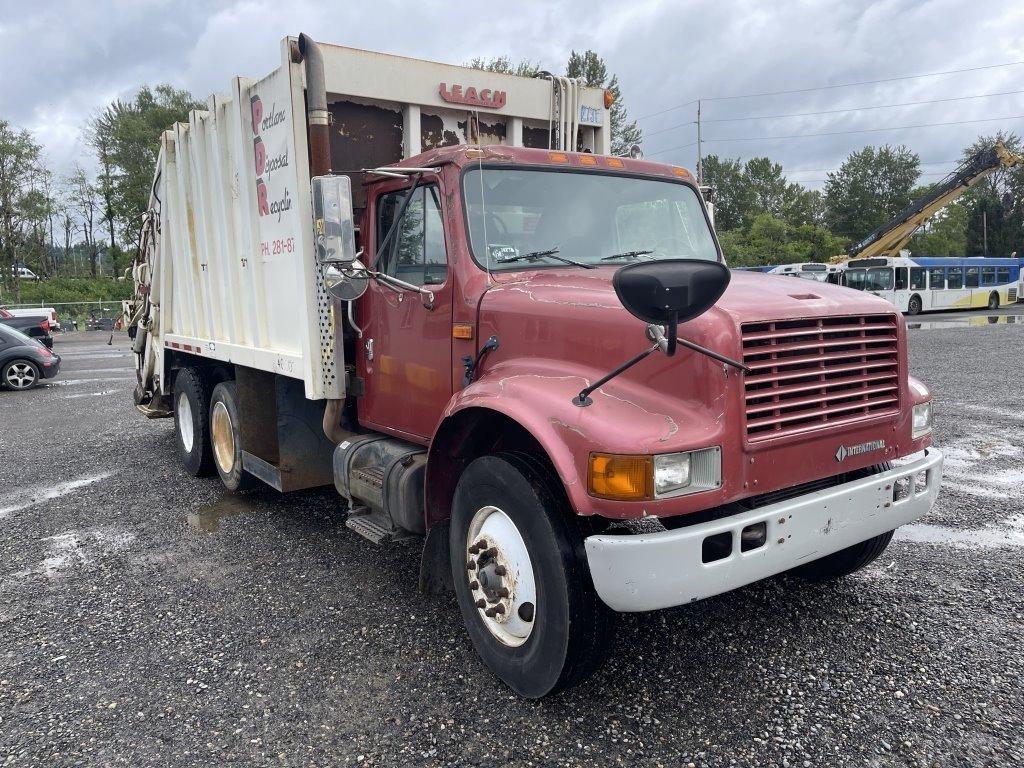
{"x":538,"y":394}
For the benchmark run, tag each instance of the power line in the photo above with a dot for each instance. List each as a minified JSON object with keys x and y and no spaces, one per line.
{"x":831,"y":111}
{"x":845,"y":133}
{"x":837,"y":85}
{"x":831,"y":170}
{"x":822,"y":181}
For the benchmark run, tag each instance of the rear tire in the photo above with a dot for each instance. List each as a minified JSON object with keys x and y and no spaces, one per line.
{"x":191,"y":422}
{"x":845,"y":561}
{"x":993,"y":300}
{"x":20,"y":375}
{"x":914,"y":305}
{"x":558,"y":634}
{"x":225,"y":438}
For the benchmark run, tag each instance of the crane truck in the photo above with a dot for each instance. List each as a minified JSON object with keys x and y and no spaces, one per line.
{"x":436,"y":289}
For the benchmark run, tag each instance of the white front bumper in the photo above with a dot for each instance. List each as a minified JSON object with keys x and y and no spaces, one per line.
{"x":657,"y":570}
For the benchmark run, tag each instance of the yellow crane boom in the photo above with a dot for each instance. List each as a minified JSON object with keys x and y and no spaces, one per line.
{"x":892,"y":236}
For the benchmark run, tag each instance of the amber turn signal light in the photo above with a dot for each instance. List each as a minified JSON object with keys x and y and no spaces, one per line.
{"x":619,"y":477}
{"x":462,"y":331}
{"x":609,"y":98}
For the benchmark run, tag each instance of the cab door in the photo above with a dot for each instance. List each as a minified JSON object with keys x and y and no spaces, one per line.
{"x":405,"y":355}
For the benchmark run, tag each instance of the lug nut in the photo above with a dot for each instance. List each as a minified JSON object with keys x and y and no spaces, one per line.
{"x":489,"y":613}
{"x":474,"y":585}
{"x":470,"y":566}
{"x":499,"y":608}
{"x":492,"y":552}
{"x":500,"y":570}
{"x":481,"y":603}
{"x":503,"y":592}
{"x":481,"y":544}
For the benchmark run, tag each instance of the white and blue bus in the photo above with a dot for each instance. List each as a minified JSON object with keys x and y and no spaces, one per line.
{"x":929,"y":283}
{"x":807,"y":270}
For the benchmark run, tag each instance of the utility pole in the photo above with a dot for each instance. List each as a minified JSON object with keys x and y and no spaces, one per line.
{"x":984,"y":232}
{"x":700,"y":170}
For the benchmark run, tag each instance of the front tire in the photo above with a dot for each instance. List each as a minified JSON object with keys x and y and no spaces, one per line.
{"x":993,"y":301}
{"x":521,"y":577}
{"x":225,"y":438}
{"x":191,"y":422}
{"x":914,"y":305}
{"x":845,"y":561}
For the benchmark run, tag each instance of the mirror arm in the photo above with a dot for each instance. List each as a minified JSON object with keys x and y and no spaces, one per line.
{"x":655,"y":334}
{"x":583,"y":398}
{"x":400,"y":285}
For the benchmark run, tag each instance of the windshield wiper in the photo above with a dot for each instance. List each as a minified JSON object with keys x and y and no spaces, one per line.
{"x":550,"y":253}
{"x":627,"y":255}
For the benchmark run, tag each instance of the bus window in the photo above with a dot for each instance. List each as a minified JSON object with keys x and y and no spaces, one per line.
{"x":854,"y":278}
{"x":878,"y":279}
{"x":988,"y":275}
{"x":937,"y":278}
{"x":956,"y":277}
{"x":901,"y":278}
{"x":972,"y":277}
{"x":917,"y":278}
{"x":1003,"y":275}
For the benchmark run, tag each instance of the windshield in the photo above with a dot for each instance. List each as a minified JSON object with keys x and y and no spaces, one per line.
{"x":874,"y":279}
{"x":528,"y":217}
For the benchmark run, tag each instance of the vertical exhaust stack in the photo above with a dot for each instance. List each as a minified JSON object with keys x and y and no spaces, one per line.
{"x":318,"y":120}
{"x":317,"y":117}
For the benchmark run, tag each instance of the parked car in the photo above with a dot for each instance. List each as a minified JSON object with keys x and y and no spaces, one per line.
{"x":24,"y":273}
{"x":24,"y":361}
{"x":48,"y":312}
{"x":34,"y":326}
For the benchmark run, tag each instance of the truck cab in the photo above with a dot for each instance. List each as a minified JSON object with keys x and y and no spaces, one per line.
{"x":532,"y":360}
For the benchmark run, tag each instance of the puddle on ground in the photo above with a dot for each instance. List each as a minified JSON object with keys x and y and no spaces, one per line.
{"x":961,"y":322}
{"x":31,"y":496}
{"x":1010,"y":534}
{"x":208,"y":517}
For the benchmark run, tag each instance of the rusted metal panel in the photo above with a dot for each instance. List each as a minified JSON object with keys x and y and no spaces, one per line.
{"x":363,"y":136}
{"x":535,"y":138}
{"x":437,"y":131}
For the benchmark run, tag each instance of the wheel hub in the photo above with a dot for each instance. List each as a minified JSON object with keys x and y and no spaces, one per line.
{"x":223,"y":438}
{"x":500,"y":575}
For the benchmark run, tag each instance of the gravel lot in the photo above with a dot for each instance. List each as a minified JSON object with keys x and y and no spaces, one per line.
{"x":147,"y":619}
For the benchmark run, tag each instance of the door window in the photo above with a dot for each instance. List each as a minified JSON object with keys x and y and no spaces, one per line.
{"x":416,"y":253}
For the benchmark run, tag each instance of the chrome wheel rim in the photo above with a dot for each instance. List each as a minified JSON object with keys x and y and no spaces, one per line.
{"x":223,"y":436}
{"x":500,"y":573}
{"x":186,"y":429}
{"x":20,"y":376}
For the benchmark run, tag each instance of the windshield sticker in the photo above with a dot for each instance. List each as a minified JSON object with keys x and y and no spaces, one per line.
{"x":503,"y":252}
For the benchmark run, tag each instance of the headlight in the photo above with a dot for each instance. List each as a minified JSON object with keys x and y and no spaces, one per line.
{"x":922,"y":420}
{"x":671,"y":473}
{"x":638,"y":478}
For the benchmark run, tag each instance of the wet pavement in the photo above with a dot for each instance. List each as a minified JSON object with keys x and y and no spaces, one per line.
{"x":147,"y":618}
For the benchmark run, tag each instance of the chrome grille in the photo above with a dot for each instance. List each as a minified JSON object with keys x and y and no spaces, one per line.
{"x":818,"y":373}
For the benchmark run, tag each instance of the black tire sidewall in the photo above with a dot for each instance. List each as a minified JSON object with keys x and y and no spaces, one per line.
{"x":534,"y":668}
{"x":9,"y":363}
{"x":914,"y":307}
{"x":993,"y":301}
{"x":238,"y":479}
{"x":198,"y":461}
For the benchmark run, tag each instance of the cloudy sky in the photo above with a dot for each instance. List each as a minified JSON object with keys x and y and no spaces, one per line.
{"x":62,"y":60}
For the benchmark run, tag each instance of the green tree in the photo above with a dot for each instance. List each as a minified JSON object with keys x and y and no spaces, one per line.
{"x":504,"y":66}
{"x":20,"y":204}
{"x":945,"y":234}
{"x":592,"y":70}
{"x":729,"y":191}
{"x":870,"y":187}
{"x":767,"y":185}
{"x":995,"y":205}
{"x":126,"y":137}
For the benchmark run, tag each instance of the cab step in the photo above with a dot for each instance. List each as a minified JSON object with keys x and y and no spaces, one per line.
{"x":375,"y":526}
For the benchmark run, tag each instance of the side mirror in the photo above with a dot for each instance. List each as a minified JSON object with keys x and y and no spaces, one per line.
{"x":346,"y":283}
{"x":333,"y":222}
{"x":671,"y":291}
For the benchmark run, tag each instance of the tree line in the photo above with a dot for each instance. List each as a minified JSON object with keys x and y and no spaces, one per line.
{"x":81,"y":223}
{"x":763,"y":218}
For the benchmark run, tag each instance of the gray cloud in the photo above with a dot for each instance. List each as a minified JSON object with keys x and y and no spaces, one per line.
{"x":63,"y":60}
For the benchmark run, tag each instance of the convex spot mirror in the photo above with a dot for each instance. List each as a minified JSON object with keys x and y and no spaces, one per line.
{"x":333,"y":221}
{"x":346,"y":283}
{"x":670,"y":291}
